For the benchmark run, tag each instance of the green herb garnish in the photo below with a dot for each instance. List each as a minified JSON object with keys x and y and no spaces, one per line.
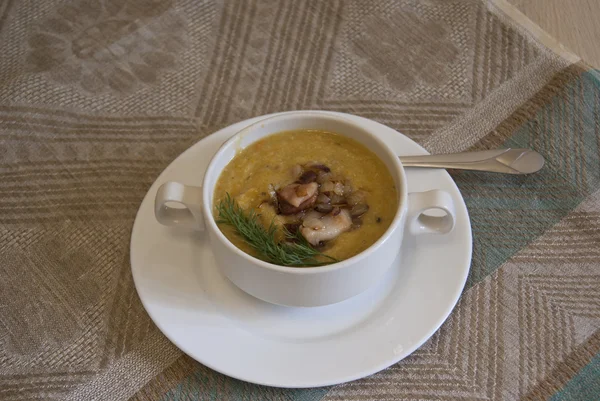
{"x":297,"y":253}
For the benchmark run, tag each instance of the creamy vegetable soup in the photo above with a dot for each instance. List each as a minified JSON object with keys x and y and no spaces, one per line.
{"x":318,"y":192}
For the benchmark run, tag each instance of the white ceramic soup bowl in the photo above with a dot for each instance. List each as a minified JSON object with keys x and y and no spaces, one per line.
{"x":315,"y":286}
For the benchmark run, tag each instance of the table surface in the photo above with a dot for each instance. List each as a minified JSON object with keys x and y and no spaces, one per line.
{"x":574,"y":23}
{"x":97,"y":97}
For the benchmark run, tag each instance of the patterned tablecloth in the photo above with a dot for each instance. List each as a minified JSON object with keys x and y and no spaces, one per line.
{"x":98,"y":96}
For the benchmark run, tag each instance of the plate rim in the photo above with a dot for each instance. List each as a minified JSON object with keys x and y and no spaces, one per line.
{"x":378,"y":367}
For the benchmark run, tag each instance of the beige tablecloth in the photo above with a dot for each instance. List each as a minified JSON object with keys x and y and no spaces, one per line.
{"x":98,"y":96}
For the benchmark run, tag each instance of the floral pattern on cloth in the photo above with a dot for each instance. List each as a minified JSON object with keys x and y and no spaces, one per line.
{"x":108,"y":45}
{"x":426,"y":56}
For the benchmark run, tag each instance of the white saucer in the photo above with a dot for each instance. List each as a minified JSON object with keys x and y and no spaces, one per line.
{"x":222,"y":327}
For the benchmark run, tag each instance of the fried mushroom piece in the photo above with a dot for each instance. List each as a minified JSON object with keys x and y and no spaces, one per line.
{"x":294,"y":198}
{"x":327,"y":228}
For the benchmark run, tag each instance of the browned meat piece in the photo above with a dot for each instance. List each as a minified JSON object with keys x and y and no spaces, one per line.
{"x":297,"y":197}
{"x":328,"y":227}
{"x":307,"y":176}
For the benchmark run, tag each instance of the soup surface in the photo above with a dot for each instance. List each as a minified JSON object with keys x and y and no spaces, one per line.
{"x":333,"y":190}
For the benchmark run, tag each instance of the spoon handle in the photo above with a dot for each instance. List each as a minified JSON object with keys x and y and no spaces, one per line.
{"x":510,"y":161}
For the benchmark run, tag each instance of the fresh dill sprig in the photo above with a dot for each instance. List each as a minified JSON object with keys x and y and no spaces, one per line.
{"x":298,"y":252}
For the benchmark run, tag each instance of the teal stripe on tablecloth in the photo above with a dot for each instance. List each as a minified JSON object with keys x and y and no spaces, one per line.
{"x":584,"y":386}
{"x":508,"y":212}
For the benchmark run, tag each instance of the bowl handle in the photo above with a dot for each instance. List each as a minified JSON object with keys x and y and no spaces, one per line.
{"x":436,"y":200}
{"x":188,"y":197}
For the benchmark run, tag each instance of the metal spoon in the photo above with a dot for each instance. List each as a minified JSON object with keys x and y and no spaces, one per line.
{"x":511,"y":161}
